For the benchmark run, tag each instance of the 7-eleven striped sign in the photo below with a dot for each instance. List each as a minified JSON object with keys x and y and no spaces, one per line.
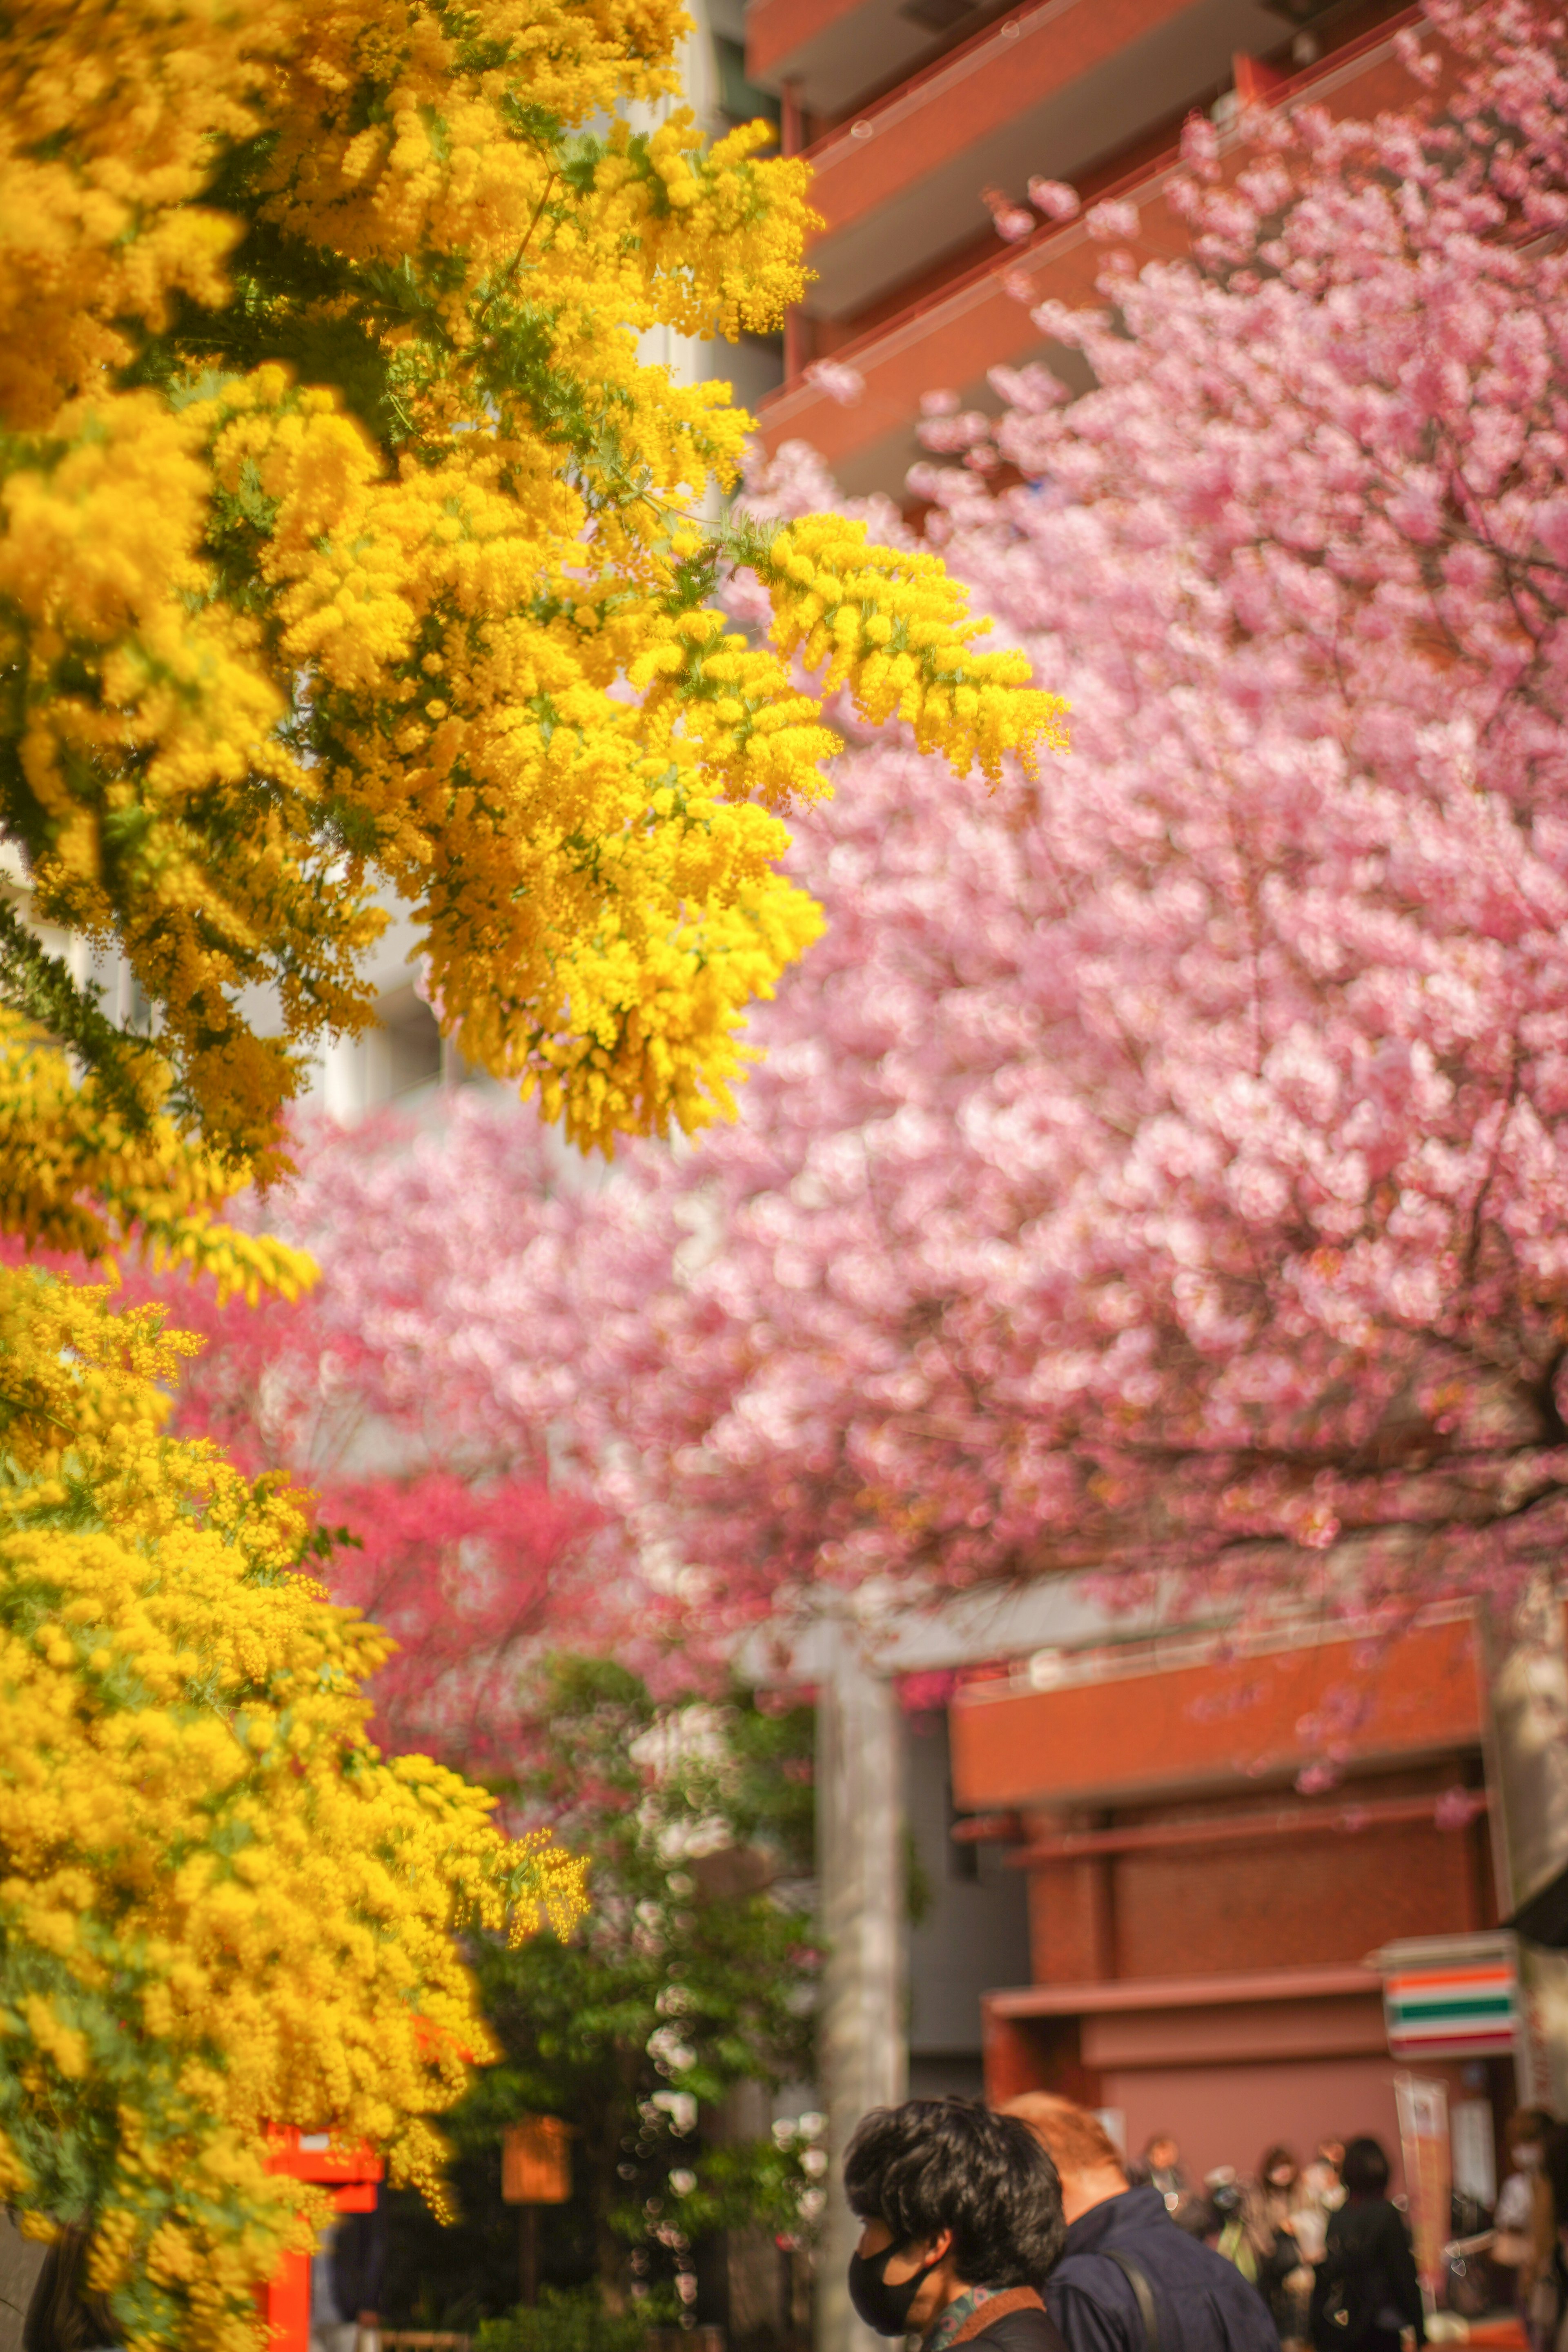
{"x":1467,"y":2009}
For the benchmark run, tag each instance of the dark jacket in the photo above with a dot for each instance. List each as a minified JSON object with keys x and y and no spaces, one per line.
{"x":1012,"y":2321}
{"x":1369,"y":2272}
{"x":1019,"y":2331}
{"x":1202,"y":2303}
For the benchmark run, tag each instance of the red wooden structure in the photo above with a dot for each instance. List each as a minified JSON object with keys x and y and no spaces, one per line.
{"x":352,"y":2175}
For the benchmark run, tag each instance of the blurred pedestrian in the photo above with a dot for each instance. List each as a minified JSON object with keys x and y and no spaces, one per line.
{"x":1277,"y":2207}
{"x":1525,"y":2143}
{"x":346,"y":2277}
{"x":1161,"y":2169}
{"x":962,"y":2217}
{"x":1524,"y":2227}
{"x":1324,"y":2192}
{"x":1366,"y":2291}
{"x":1129,"y":2280}
{"x":1547,"y":2317}
{"x":1226,"y":2230}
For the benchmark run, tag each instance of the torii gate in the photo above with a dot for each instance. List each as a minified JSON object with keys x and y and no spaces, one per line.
{"x":352,"y":2175}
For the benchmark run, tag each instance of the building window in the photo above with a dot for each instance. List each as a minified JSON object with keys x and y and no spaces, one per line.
{"x":411,"y":1042}
{"x":740,"y":100}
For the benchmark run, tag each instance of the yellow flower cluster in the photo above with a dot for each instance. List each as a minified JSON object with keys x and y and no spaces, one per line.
{"x":81,"y":1176}
{"x":220,"y":1907}
{"x":345,"y":538}
{"x":110,"y":117}
{"x":894,"y":628}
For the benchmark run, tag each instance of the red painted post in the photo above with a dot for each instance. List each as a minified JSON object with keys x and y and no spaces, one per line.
{"x":286,"y":2305}
{"x":352,"y":2174}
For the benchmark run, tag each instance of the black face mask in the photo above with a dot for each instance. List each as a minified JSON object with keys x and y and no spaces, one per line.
{"x":886,"y":2308}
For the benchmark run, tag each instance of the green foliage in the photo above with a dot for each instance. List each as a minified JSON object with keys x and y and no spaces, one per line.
{"x":692,"y":1973}
{"x":572,"y":2319}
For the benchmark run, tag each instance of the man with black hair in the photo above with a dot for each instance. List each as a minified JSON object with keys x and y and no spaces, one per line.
{"x":962,"y":2215}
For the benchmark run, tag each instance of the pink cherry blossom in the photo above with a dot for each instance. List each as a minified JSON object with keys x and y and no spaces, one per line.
{"x":1012,"y":221}
{"x":1113,"y":219}
{"x":838,"y":380}
{"x":393,"y":1392}
{"x":1053,"y":199}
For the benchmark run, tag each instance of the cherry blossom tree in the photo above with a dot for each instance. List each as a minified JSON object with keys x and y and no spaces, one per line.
{"x":1162,"y":1165}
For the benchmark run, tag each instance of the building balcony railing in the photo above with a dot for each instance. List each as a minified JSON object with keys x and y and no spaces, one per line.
{"x":1049,"y":89}
{"x":980,"y":320}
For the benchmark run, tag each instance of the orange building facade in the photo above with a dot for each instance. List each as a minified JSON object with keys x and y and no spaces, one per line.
{"x":913,"y":112}
{"x":1205,"y":1920}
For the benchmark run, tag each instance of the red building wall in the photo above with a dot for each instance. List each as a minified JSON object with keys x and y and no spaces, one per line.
{"x":1186,"y":1714}
{"x":1289,"y":1904}
{"x":1199,"y":1923}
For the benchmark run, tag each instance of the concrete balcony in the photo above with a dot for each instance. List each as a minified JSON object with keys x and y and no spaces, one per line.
{"x":951,"y":337}
{"x":1051,"y":88}
{"x":830,"y":53}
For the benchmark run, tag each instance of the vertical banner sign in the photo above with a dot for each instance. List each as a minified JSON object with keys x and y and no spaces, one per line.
{"x":1428,"y":2179}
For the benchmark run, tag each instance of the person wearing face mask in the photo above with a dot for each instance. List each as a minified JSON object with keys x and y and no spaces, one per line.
{"x":1286,"y":2236}
{"x":1523,"y":2225}
{"x":962,"y":2217}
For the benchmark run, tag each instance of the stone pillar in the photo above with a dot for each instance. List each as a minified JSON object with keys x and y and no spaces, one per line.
{"x":21,"y":2260}
{"x":1527,"y":1678}
{"x":862,"y":2048}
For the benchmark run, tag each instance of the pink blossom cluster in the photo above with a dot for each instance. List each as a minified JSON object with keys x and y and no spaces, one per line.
{"x":392,"y":1392}
{"x":838,"y":380}
{"x":1011,"y":221}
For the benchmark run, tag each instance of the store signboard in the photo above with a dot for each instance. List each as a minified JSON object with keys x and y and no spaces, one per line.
{"x":1469,"y":2008}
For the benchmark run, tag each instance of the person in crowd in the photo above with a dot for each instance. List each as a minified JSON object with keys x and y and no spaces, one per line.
{"x":346,"y":2277}
{"x":1524,"y":2139}
{"x":1524,"y":2222}
{"x":1366,"y":2289}
{"x":1324,"y":2192}
{"x":333,"y":2325}
{"x":962,"y":2215}
{"x":1129,"y":2280}
{"x":1278,"y":2230}
{"x":1287,"y":2235}
{"x":1545,"y":2308}
{"x":1161,"y":2169}
{"x":1225,"y":2226}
